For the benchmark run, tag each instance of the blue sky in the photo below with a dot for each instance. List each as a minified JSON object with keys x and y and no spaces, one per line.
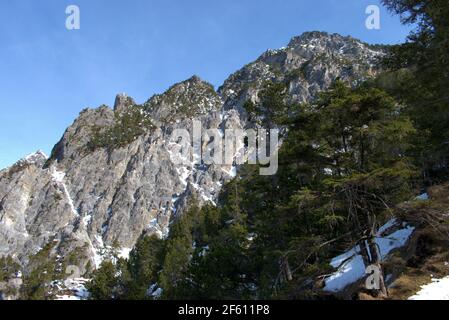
{"x":48,"y":74}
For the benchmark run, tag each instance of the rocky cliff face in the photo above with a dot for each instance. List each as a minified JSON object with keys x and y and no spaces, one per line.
{"x":309,"y":64}
{"x":86,"y":199}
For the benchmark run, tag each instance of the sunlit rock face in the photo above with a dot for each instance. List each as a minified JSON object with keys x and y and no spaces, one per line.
{"x":87,"y":201}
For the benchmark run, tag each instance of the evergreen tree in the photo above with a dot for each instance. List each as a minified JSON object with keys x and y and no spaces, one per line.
{"x":419,"y":74}
{"x":145,"y":261}
{"x":222,"y":269}
{"x":178,"y":253}
{"x":361,"y":141}
{"x":271,"y":107}
{"x":43,"y":270}
{"x":103,"y":285}
{"x":8,"y":268}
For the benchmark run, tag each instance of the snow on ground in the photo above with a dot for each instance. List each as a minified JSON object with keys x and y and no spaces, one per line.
{"x":393,"y":241}
{"x":77,"y":288}
{"x":58,"y":177}
{"x":102,"y":252}
{"x":87,"y":219}
{"x":160,"y":232}
{"x":350,"y":264}
{"x":204,"y":251}
{"x":98,"y":258}
{"x":423,"y":197}
{"x":349,"y":272}
{"x":153,"y":223}
{"x":184,"y":173}
{"x":34,"y":157}
{"x":202,"y":192}
{"x":231,"y":172}
{"x":67,"y":298}
{"x":157,"y":294}
{"x":154,"y":291}
{"x":124,"y":253}
{"x":438,"y":289}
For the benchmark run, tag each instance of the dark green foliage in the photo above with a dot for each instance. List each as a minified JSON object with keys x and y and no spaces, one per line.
{"x":8,"y":268}
{"x":36,"y":282}
{"x":271,"y":108}
{"x":143,"y":267}
{"x":178,"y":252}
{"x":221,"y":238}
{"x":103,"y":285}
{"x":299,"y":73}
{"x":128,"y":126}
{"x":73,"y":258}
{"x":422,"y":86}
{"x":349,"y":148}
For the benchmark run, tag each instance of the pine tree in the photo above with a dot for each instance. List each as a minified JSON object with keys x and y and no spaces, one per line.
{"x":8,"y":268}
{"x":103,"y":285}
{"x":419,"y":74}
{"x":178,"y":253}
{"x":43,"y":270}
{"x":362,"y":139}
{"x":145,"y":261}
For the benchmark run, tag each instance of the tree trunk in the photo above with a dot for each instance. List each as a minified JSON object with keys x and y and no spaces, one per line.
{"x":288,"y":271}
{"x":376,"y":260}
{"x":285,"y":270}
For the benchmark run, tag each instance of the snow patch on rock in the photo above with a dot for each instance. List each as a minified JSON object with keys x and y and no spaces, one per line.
{"x":58,"y":177}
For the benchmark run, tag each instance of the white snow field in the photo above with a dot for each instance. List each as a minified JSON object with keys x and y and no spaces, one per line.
{"x":438,"y":289}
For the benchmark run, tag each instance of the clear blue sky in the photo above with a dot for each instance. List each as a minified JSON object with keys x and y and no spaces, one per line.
{"x":49,"y":74}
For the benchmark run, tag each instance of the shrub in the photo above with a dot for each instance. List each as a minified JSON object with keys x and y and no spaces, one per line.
{"x":128,"y":126}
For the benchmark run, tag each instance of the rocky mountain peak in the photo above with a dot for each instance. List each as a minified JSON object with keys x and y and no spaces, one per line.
{"x":189,"y":98}
{"x":78,"y":135}
{"x":336,"y":45}
{"x":316,"y":36}
{"x":123,"y":102}
{"x":37,"y":158}
{"x":308,"y":65}
{"x":195,"y":79}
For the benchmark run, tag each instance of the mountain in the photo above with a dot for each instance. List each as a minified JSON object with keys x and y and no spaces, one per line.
{"x":113,"y":176}
{"x":309,"y":64}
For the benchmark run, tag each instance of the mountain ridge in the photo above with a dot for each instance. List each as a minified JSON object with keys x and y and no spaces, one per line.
{"x":86,"y":200}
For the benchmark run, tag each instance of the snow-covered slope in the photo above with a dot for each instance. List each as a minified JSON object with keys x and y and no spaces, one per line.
{"x":438,"y":289}
{"x":350,"y":265}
